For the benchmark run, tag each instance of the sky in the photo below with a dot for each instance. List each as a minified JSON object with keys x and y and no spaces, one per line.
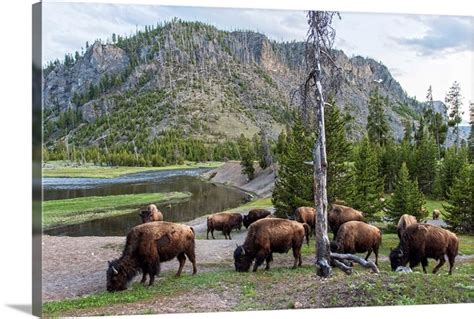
{"x":419,"y":50}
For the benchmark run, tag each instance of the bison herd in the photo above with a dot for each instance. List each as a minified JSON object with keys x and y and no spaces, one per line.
{"x":156,"y":241}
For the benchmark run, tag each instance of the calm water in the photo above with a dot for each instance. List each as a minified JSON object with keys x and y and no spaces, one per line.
{"x":206,"y":198}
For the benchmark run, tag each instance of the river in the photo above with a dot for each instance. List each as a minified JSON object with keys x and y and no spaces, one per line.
{"x":206,"y":198}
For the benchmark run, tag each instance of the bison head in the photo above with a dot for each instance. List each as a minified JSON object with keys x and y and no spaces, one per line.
{"x":397,"y":258}
{"x":242,"y":261}
{"x":246,"y":221}
{"x":334,"y":247}
{"x":116,"y":277}
{"x":145,"y":215}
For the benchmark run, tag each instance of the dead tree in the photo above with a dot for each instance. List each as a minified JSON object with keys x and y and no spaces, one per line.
{"x":319,"y":42}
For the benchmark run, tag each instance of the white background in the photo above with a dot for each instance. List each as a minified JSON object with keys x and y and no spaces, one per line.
{"x":15,"y":154}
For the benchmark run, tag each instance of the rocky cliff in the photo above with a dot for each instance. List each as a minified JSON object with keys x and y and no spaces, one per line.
{"x":209,"y":83}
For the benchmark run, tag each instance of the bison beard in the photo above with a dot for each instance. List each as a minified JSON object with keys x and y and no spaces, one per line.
{"x":148,"y":245}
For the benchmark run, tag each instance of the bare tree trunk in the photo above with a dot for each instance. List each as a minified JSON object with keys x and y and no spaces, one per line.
{"x":320,"y":173}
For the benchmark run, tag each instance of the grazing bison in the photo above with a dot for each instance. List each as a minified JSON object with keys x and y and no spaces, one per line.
{"x":225,"y":222}
{"x":339,"y":214}
{"x":357,"y":237}
{"x":436,"y":213}
{"x":254,"y":215}
{"x":151,"y":214}
{"x":422,"y":241}
{"x":403,"y":223}
{"x":146,"y":247}
{"x":269,"y":235}
{"x":306,"y":215}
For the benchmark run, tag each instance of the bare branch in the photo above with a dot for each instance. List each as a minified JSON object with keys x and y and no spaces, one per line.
{"x":357,"y":259}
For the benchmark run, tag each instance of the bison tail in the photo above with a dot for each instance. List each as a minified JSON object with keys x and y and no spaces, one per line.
{"x":192,"y":229}
{"x":306,"y":232}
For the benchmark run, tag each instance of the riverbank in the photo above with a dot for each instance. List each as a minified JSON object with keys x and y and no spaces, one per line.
{"x":230,"y":173}
{"x":77,"y":210}
{"x":88,"y":170}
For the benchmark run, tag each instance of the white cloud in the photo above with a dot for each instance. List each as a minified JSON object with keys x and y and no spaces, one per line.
{"x":404,"y":43}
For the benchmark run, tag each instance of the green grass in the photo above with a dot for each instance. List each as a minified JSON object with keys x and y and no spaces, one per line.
{"x":431,"y":204}
{"x":281,"y":286}
{"x":59,"y":169}
{"x":257,"y":203}
{"x":76,"y":210}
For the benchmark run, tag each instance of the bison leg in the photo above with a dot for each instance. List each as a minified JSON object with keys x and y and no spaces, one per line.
{"x":212,"y":233}
{"x":297,"y":255}
{"x":259,"y":259}
{"x":192,"y":258}
{"x":376,"y":252}
{"x":442,"y":260}
{"x":424,"y":264}
{"x":207,"y":233}
{"x":451,"y":263}
{"x":143,"y":278}
{"x":368,"y":254}
{"x":182,"y":259}
{"x":269,"y":259}
{"x":228,"y":233}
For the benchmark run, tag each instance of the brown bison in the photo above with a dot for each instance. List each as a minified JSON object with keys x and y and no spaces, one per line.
{"x":357,"y":237}
{"x":151,"y":214}
{"x":146,"y":247}
{"x":403,"y":223}
{"x":254,"y":215}
{"x":306,"y":215}
{"x":269,"y":235}
{"x":436,"y":213}
{"x":422,"y":241}
{"x":339,"y":214}
{"x":225,"y":222}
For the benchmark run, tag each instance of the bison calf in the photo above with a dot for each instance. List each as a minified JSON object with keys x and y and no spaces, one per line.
{"x":269,"y":235}
{"x":422,"y":241}
{"x":254,"y":215}
{"x":147,"y":246}
{"x":306,"y":215}
{"x":403,"y":223}
{"x":225,"y":222}
{"x":339,"y":214}
{"x":357,"y":237}
{"x":152,"y":214}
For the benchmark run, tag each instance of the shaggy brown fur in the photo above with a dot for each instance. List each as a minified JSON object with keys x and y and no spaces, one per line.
{"x":403,"y":223}
{"x":436,"y":213}
{"x":254,"y":215}
{"x":269,"y":235}
{"x":152,"y":214}
{"x":357,"y":237}
{"x":225,"y":222}
{"x":306,"y":215}
{"x":147,"y":246}
{"x":422,"y":241}
{"x":339,"y":214}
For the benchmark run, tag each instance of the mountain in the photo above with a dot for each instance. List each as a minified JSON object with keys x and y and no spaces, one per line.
{"x":210,"y":84}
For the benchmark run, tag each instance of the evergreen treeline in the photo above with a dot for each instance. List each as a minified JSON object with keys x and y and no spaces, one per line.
{"x":381,"y":177}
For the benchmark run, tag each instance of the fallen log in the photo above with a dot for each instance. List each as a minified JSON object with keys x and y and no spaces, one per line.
{"x":339,"y":259}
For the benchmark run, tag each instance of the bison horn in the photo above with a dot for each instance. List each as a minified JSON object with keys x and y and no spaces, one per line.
{"x":243,"y":250}
{"x":115,"y":270}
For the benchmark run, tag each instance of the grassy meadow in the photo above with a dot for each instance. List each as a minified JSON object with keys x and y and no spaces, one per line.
{"x":63,"y":169}
{"x":77,"y":210}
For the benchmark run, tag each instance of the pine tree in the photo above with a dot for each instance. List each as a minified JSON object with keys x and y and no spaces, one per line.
{"x":338,"y":149}
{"x":294,"y":183}
{"x":377,"y":124}
{"x":460,"y":208}
{"x":454,"y":102}
{"x":390,"y":164}
{"x":451,"y":166}
{"x":366,"y":184}
{"x":246,"y":156}
{"x":425,"y":163}
{"x":408,"y":131}
{"x":406,"y":199}
{"x":470,"y":139}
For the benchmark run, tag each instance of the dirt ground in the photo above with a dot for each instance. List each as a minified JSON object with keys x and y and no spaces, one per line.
{"x":75,"y":266}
